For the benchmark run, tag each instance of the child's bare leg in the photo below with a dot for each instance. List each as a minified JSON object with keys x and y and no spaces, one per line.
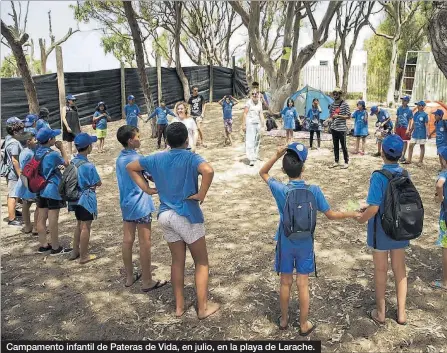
{"x":144,"y":238}
{"x":379,"y":147}
{"x":357,"y":144}
{"x":410,"y":152}
{"x":53,"y":224}
{"x":76,"y":240}
{"x":230,"y":139}
{"x":178,"y":254}
{"x":380,"y":276}
{"x":363,"y":144}
{"x":405,"y":149}
{"x":41,"y":226}
{"x":26,"y":213}
{"x":36,"y":219}
{"x":85,"y":238}
{"x":284,"y":297}
{"x":12,"y":202}
{"x":400,"y":278}
{"x":128,"y":240}
{"x":302,"y":282}
{"x":421,"y":157}
{"x":200,"y":255}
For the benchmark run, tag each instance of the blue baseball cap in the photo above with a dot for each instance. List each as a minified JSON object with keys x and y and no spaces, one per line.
{"x":421,"y":103}
{"x":439,"y":112}
{"x":299,"y":149}
{"x":374,"y":109}
{"x":393,"y":145}
{"x":442,"y":151}
{"x":30,"y":119}
{"x":70,"y":97}
{"x":362,"y":103}
{"x":83,"y":140}
{"x":405,"y":98}
{"x":13,"y":120}
{"x":45,"y":134}
{"x":131,"y":98}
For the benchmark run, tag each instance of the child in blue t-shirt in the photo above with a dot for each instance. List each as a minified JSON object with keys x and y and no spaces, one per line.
{"x":49,"y":201}
{"x":180,"y":216}
{"x":384,"y":126}
{"x":403,"y":116}
{"x":289,"y":114}
{"x":442,"y":239}
{"x":419,"y":128}
{"x":42,"y":122}
{"x":380,"y":243}
{"x":161,"y":113}
{"x":86,"y":207}
{"x":136,"y":208}
{"x":29,"y":141}
{"x":227,"y":103}
{"x":441,"y":133}
{"x":100,"y":118}
{"x":314,"y":122}
{"x":132,"y":112}
{"x":360,"y":117}
{"x":295,"y":254}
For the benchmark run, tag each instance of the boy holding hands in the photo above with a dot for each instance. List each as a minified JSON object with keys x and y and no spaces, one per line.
{"x":296,"y":254}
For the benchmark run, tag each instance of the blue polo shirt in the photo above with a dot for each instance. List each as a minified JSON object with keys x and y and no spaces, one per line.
{"x":162,"y":115}
{"x":279,"y":191}
{"x":134,"y":202}
{"x":132,"y":112}
{"x":441,"y":133}
{"x":21,"y":191}
{"x":101,"y":124}
{"x":50,"y":171}
{"x":376,"y":195}
{"x":420,"y":130}
{"x":42,"y":124}
{"x":176,"y":174}
{"x":87,"y":178}
{"x":404,"y":115}
{"x":382,"y":115}
{"x":227,"y":109}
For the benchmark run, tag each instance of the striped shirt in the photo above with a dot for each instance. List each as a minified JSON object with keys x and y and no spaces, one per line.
{"x":341,"y":108}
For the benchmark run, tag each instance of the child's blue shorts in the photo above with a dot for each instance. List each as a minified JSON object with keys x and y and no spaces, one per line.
{"x":301,"y":258}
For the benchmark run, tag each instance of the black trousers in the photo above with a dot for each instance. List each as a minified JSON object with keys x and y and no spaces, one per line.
{"x":339,"y":138}
{"x":161,"y":132}
{"x":312,"y":137}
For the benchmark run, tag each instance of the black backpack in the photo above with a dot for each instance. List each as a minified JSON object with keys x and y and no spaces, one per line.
{"x":403,"y":213}
{"x":68,"y":186}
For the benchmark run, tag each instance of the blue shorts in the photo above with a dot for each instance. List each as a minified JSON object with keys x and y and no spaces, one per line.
{"x":300,"y":258}
{"x":143,"y":220}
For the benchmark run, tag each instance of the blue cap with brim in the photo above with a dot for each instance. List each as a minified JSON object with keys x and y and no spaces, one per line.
{"x":405,"y":98}
{"x":421,"y":103}
{"x":84,"y":140}
{"x":30,"y":119}
{"x":374,"y":109}
{"x":45,"y":134}
{"x":393,"y":145}
{"x":13,"y":120}
{"x":439,"y":112}
{"x":299,"y":149}
{"x":131,"y":98}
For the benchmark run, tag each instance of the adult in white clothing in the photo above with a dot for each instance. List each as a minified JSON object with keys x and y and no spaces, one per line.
{"x":252,"y":124}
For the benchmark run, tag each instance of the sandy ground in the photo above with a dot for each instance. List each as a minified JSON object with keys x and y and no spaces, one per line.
{"x":52,"y":298}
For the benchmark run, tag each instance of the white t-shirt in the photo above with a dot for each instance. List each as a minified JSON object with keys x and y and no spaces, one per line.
{"x":191,"y":126}
{"x":254,"y":111}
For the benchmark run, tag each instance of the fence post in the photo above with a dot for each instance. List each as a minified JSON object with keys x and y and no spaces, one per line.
{"x":211,"y":83}
{"x":60,"y":81}
{"x":233,"y":64}
{"x":365,"y":81}
{"x":123,"y":91}
{"x":160,"y":95}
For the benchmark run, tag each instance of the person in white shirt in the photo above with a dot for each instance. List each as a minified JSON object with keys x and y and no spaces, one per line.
{"x":182,"y":111}
{"x":252,"y":123}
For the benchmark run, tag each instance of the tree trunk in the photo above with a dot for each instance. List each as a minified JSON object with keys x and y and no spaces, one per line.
{"x":43,"y":57}
{"x":178,"y":65}
{"x":22,"y":65}
{"x":248,"y":72}
{"x":393,"y":68}
{"x":437,"y":28}
{"x":139,"y":52}
{"x":337,"y":67}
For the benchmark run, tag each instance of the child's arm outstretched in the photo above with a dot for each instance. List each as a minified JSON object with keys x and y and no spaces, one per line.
{"x":439,"y":196}
{"x":368,"y":213}
{"x":134,"y":169}
{"x":207,"y":173}
{"x":264,"y":172}
{"x":337,"y":215}
{"x":153,"y":115}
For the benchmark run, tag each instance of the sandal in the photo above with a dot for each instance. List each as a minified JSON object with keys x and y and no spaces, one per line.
{"x":158,"y":285}
{"x":308,"y":332}
{"x":375,"y":319}
{"x":438,"y":285}
{"x":136,"y":277}
{"x":281,"y":328}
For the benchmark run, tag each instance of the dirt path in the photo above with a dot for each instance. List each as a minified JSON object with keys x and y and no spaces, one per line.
{"x":52,"y":298}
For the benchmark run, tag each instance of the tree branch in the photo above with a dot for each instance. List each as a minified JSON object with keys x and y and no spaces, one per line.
{"x":379,"y":34}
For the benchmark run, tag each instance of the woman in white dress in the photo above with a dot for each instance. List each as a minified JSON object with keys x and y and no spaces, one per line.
{"x":182,"y":111}
{"x":252,"y":124}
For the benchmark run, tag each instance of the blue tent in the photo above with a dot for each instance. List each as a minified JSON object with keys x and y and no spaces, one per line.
{"x":303,"y":101}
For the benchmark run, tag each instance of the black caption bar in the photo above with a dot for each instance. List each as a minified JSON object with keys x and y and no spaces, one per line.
{"x":162,"y":346}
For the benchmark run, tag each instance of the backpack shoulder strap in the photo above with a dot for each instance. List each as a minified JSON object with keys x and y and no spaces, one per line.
{"x":387,"y":174}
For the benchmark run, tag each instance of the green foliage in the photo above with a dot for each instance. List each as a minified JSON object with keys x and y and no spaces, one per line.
{"x":9,"y":67}
{"x":414,"y":37}
{"x":121,"y":49}
{"x":329,"y":44}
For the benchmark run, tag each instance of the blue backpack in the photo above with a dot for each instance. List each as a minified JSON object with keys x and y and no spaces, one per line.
{"x":299,"y":216}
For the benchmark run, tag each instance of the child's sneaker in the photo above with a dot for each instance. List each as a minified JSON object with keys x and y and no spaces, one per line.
{"x":335,"y":165}
{"x":44,"y":249}
{"x":60,"y":251}
{"x":345,"y":166}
